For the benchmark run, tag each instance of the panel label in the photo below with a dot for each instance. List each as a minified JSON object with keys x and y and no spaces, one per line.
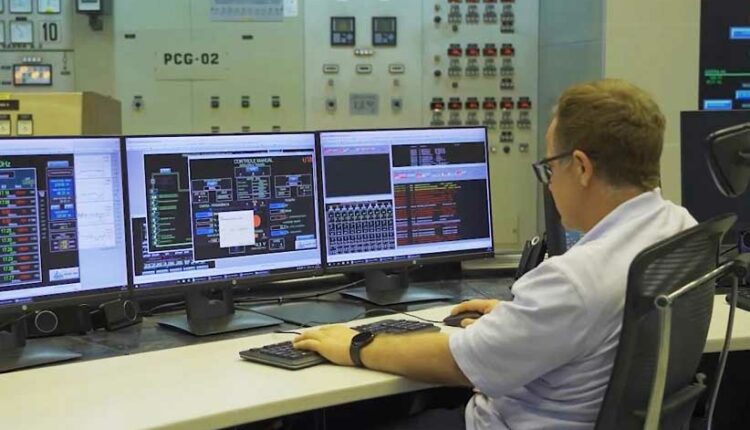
{"x":363,"y":104}
{"x":188,"y":59}
{"x":247,"y":10}
{"x":9,"y":104}
{"x":191,"y":64}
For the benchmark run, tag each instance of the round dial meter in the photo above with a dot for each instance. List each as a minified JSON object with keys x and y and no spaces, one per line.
{"x":21,"y":32}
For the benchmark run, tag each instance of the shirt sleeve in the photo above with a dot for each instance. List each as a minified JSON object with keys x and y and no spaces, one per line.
{"x":543,"y":328}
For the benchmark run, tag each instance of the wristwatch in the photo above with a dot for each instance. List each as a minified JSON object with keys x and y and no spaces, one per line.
{"x":359,"y":341}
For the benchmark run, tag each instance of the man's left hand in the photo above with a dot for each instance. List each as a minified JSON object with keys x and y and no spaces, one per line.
{"x":332,"y":342}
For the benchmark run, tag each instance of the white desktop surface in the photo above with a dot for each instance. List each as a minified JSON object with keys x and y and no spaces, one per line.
{"x":718,"y":328}
{"x":208,"y":386}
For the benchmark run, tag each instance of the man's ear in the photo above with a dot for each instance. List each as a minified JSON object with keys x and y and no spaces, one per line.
{"x":584,"y":167}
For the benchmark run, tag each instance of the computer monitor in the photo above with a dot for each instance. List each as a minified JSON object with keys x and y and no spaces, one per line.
{"x":559,"y":239}
{"x":398,"y":198}
{"x":699,"y":193}
{"x":62,"y":233}
{"x":210,"y":212}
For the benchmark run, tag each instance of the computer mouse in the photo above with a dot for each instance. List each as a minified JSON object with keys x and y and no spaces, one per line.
{"x":455,"y":320}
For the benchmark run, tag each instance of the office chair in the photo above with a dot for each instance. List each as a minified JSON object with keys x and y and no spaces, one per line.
{"x":668,"y":306}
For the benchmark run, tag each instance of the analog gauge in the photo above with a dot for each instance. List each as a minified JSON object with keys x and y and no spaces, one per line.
{"x":48,"y":6}
{"x":4,"y":125}
{"x":89,"y":6}
{"x":20,"y":6}
{"x":21,"y":32}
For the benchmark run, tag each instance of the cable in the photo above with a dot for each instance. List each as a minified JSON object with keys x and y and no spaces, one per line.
{"x":727,"y":251}
{"x":161,"y":307}
{"x":14,"y":320}
{"x":393,"y":311}
{"x":387,"y":311}
{"x":480,"y":292}
{"x":290,"y":298}
{"x":723,"y":355}
{"x":167,"y":307}
{"x":288,"y":332}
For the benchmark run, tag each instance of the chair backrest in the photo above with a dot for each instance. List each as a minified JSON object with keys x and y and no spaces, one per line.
{"x":662,"y":269}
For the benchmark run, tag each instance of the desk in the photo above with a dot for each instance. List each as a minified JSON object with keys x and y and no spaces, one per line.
{"x":718,"y":328}
{"x":208,"y":386}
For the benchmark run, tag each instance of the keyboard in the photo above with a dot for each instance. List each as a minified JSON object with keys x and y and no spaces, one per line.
{"x":743,"y":298}
{"x":285,"y":356}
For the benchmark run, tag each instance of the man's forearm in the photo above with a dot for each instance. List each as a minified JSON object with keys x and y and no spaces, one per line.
{"x":425,"y":357}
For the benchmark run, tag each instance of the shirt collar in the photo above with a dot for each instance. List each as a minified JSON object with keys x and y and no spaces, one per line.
{"x":640,"y":203}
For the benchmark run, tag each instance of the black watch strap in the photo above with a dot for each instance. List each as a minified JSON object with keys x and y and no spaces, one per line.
{"x":359,"y":341}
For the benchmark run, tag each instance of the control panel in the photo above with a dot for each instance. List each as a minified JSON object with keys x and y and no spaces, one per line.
{"x":36,"y":113}
{"x":280,"y":65}
{"x":480,"y":67}
{"x":36,"y":45}
{"x":197,"y":66}
{"x":363,"y":72}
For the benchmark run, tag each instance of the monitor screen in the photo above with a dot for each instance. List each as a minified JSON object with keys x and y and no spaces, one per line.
{"x":62,"y":233}
{"x":724,"y":64}
{"x":699,"y":193}
{"x":222,"y":208}
{"x":395,"y":196}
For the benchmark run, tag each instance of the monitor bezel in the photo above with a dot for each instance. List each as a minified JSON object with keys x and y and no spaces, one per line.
{"x":89,"y":297}
{"x":175,"y":289}
{"x":699,"y":144}
{"x":442,"y":257}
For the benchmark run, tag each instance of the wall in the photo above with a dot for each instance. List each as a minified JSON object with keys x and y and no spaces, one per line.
{"x":94,"y":55}
{"x":570,"y":51}
{"x":570,"y":39}
{"x":655,"y":44}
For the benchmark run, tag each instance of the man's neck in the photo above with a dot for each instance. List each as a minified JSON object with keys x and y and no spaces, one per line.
{"x":606,"y":200}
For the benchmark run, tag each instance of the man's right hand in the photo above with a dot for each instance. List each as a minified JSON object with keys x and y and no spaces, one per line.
{"x":483,"y":306}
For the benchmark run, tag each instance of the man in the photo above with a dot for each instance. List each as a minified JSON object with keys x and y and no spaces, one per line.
{"x":544,"y":359}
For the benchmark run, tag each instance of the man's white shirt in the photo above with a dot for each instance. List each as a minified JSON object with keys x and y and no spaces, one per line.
{"x":543,"y":360}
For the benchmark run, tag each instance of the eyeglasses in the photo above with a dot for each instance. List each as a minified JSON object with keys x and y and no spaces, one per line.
{"x":543,"y":170}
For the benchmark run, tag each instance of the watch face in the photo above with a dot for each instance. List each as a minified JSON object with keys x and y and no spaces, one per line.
{"x":362,"y":338}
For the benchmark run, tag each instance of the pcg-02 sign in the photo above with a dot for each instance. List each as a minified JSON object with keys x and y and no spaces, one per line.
{"x":191,"y":65}
{"x":188,"y":59}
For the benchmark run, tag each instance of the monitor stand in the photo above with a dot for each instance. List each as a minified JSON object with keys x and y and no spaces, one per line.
{"x":16,"y":354}
{"x":210,"y":310}
{"x":384,"y":289}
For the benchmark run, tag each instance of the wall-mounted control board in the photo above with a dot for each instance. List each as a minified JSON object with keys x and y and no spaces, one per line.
{"x":58,"y":114}
{"x":480,"y":67}
{"x":194,"y":66}
{"x":36,"y":45}
{"x":208,"y":66}
{"x":370,"y":74}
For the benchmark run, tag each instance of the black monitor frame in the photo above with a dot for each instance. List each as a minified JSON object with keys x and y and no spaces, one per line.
{"x":384,"y":288}
{"x":91,"y":297}
{"x":14,"y":354}
{"x":210,"y":304}
{"x":699,"y":193}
